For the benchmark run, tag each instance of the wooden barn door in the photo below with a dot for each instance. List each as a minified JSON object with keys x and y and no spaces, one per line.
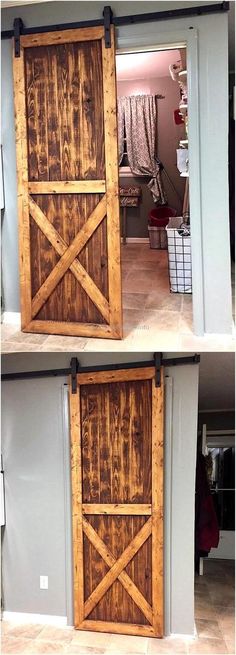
{"x":67,"y":161}
{"x":117,"y":491}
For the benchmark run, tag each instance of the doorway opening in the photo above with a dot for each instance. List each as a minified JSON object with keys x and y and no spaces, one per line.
{"x":215,"y":533}
{"x":154,"y":188}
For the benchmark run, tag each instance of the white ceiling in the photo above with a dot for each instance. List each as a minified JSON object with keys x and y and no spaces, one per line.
{"x":141,"y":65}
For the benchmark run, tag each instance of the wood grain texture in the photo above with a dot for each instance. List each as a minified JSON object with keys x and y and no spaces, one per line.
{"x":122,"y":375}
{"x":126,"y":509}
{"x":69,"y":329}
{"x":157,"y":504}
{"x":112,"y":182}
{"x":121,"y":442}
{"x":76,"y":481}
{"x":60,"y":247}
{"x":68,"y":123}
{"x":68,"y":257}
{"x":63,"y":36}
{"x":22,"y":179}
{"x":78,"y":186}
{"x":77,"y":307}
{"x":118,"y":566}
{"x":126,"y":581}
{"x":118,"y":628}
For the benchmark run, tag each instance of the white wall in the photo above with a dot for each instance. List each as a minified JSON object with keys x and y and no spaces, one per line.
{"x":37,"y":537}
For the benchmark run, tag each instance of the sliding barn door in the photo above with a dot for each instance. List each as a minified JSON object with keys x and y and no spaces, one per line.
{"x":67,"y":160}
{"x":117,"y":492}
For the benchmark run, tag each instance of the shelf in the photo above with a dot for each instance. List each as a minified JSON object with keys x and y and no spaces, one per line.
{"x":183,"y":106}
{"x":183,"y":142}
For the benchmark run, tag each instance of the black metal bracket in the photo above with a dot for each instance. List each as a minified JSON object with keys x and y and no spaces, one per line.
{"x":107,"y":15}
{"x":158,"y":363}
{"x":74,"y":370}
{"x":18,"y":29}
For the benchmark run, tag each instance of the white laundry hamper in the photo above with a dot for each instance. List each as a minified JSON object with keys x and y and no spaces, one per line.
{"x":179,"y":256}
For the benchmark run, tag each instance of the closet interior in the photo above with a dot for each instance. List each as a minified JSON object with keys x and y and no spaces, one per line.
{"x":154,"y":179}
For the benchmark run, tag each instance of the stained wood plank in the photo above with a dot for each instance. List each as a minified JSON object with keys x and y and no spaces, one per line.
{"x":78,"y":573}
{"x":122,"y":375}
{"x":76,"y":267}
{"x":68,"y":257}
{"x":118,"y":509}
{"x":64,"y":36}
{"x":78,"y":307}
{"x":78,"y":186}
{"x":118,"y":566}
{"x":22,"y":178}
{"x":127,"y":583}
{"x":112,"y":182}
{"x":157,"y":506}
{"x":118,"y":628}
{"x":69,"y":329}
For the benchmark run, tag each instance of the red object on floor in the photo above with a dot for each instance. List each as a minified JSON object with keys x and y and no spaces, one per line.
{"x":159,"y":216}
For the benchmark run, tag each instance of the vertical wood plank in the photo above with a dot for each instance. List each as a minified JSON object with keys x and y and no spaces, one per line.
{"x":157,"y":506}
{"x":76,"y":482}
{"x":112,"y":184}
{"x":22,"y":176}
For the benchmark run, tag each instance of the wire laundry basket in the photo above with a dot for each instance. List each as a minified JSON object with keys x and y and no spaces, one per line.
{"x":179,"y":256}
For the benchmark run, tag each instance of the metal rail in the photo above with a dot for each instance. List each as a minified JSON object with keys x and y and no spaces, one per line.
{"x":118,"y":21}
{"x":157,"y":361}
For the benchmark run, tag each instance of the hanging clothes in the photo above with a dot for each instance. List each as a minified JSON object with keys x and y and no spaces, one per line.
{"x":206,"y":524}
{"x":138,"y":115}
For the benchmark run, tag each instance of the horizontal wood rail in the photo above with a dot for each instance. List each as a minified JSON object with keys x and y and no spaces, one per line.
{"x":117,"y":509}
{"x":114,"y":376}
{"x":118,"y":628}
{"x":74,"y":186}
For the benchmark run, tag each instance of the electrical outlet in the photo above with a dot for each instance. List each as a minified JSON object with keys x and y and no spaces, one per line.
{"x":43,"y":582}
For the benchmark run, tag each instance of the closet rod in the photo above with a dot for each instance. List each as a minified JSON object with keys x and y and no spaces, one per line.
{"x":168,"y":14}
{"x":172,"y":361}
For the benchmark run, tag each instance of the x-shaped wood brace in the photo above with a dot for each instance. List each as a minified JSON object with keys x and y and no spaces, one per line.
{"x":68,"y":259}
{"x":117,"y":569}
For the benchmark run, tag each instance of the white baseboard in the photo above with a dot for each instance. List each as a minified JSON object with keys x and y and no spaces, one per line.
{"x":47,"y":619}
{"x":136,"y":240}
{"x":12,"y":318}
{"x":189,"y":637}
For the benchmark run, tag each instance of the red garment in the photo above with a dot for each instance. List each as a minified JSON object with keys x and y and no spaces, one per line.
{"x":208,"y":533}
{"x":206,"y":524}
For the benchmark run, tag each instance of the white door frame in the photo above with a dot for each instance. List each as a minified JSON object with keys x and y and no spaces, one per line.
{"x":189,"y":39}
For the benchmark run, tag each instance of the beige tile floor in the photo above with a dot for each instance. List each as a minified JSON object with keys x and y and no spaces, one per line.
{"x":214,"y":615}
{"x":153,"y":317}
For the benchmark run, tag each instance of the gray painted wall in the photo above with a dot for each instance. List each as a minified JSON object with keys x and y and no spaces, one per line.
{"x":35,"y":455}
{"x":34,"y":538}
{"x":213,"y":93}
